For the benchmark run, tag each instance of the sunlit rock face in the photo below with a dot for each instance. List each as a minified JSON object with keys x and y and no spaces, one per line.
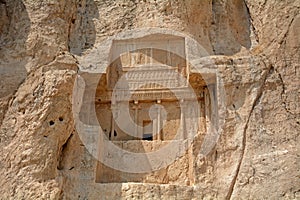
{"x":149,"y":99}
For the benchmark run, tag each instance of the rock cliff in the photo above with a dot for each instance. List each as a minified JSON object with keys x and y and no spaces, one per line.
{"x":254,"y":44}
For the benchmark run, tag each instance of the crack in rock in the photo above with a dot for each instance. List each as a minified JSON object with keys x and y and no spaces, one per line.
{"x":255,"y":102}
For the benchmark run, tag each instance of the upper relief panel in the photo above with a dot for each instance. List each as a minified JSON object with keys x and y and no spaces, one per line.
{"x":143,"y":60}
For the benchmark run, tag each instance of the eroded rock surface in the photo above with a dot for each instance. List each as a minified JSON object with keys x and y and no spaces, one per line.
{"x":254,"y":46}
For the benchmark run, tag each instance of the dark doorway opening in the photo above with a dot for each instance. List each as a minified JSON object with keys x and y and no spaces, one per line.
{"x":148,"y":136}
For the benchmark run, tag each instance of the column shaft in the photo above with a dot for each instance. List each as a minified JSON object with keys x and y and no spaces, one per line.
{"x":182,"y":121}
{"x":136,"y":121}
{"x":158,"y":124}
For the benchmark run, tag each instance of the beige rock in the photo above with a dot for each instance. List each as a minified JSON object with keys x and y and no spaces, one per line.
{"x":253,"y":48}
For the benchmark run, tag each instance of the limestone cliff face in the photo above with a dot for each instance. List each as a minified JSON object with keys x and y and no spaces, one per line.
{"x":254,"y":44}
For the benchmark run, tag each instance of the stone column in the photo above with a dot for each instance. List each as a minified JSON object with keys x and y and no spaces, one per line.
{"x":136,"y":118}
{"x":182,"y":120}
{"x":158,"y":121}
{"x":154,"y":128}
